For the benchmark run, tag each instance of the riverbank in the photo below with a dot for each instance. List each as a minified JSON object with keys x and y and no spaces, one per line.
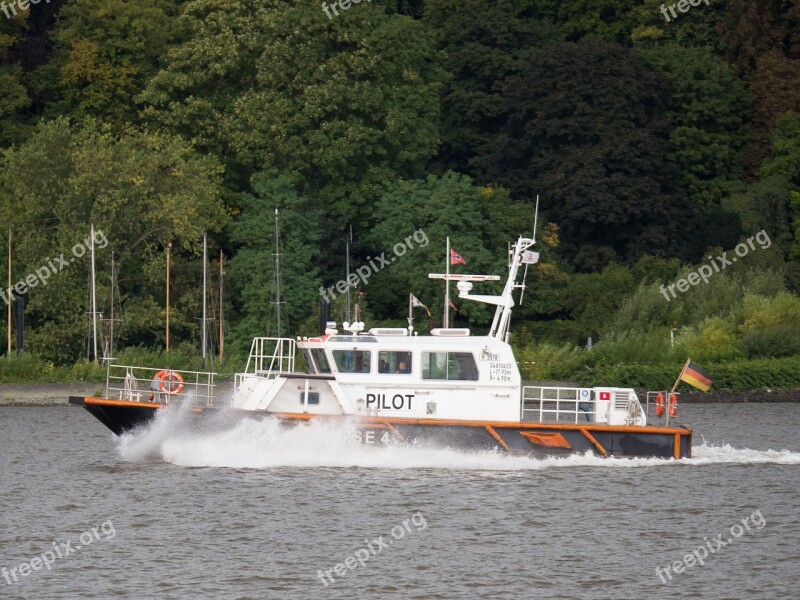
{"x":56,"y":394}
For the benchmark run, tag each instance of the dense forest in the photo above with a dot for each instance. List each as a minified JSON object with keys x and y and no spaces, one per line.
{"x":658,"y":139}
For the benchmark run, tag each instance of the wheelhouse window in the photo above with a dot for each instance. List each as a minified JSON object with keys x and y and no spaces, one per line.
{"x":321,"y":360}
{"x":393,"y":362}
{"x":449,"y":366}
{"x":352,"y":361}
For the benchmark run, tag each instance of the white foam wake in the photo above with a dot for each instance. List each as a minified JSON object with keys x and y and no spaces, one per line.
{"x":262,"y":444}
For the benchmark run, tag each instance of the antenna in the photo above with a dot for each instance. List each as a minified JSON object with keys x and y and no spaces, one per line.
{"x":277,"y":277}
{"x":205,"y":276}
{"x":535,"y":217}
{"x":348,"y":241}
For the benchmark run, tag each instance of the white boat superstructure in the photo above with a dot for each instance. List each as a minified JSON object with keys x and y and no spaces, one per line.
{"x":449,"y":375}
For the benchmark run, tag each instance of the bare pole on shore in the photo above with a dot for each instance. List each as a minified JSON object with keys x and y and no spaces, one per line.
{"x":110,"y":348}
{"x":94,"y":301}
{"x":221,"y":322}
{"x":169,"y":247}
{"x":9,"y":291}
{"x":205,"y":277}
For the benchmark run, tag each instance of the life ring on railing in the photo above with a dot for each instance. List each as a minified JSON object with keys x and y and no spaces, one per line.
{"x":660,"y":404}
{"x":170,"y":382}
{"x":673,"y":405}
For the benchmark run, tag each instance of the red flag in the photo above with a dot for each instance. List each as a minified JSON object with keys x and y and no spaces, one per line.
{"x":453,"y":306}
{"x":456,"y":258}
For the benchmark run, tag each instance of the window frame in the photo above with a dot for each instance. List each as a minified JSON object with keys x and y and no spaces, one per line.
{"x":449,"y":355}
{"x":353,"y":351}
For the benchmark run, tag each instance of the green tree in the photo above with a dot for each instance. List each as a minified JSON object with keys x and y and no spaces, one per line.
{"x":709,"y":107}
{"x":140,"y":190}
{"x":612,"y":20}
{"x":761,"y":40}
{"x":587,"y":132}
{"x":450,"y":205}
{"x":479,"y":54}
{"x":342,"y":106}
{"x":252,"y":269}
{"x":105,"y":51}
{"x":13,"y":94}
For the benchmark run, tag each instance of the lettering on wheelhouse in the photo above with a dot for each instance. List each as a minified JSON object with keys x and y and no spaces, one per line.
{"x":390,"y":401}
{"x":500,"y":371}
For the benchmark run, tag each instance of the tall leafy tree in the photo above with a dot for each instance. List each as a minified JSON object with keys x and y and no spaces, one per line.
{"x":612,"y":20}
{"x":252,"y":270}
{"x":480,"y":54}
{"x":709,"y":108}
{"x":341,"y":105}
{"x":587,"y":131}
{"x":13,"y":93}
{"x":479,"y":222}
{"x":141,"y":190}
{"x":762,"y":41}
{"x":104,"y":53}
{"x":697,"y":28}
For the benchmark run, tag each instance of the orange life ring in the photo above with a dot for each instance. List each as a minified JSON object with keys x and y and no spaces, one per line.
{"x":673,"y":405}
{"x":660,"y":404}
{"x":170,"y":382}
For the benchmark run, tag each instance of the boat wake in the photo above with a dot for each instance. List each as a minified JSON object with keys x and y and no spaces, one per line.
{"x":231,"y":442}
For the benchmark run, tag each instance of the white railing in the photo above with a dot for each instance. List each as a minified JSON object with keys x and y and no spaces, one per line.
{"x":544,"y":404}
{"x":270,"y":357}
{"x":139,"y":384}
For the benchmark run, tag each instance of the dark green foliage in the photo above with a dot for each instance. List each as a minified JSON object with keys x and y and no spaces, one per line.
{"x":480,"y":54}
{"x":773,"y":342}
{"x":587,"y":131}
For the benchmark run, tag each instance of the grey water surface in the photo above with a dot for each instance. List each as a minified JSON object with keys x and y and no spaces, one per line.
{"x":253,"y":512}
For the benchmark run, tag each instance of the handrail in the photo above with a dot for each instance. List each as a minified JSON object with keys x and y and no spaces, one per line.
{"x":138,"y":384}
{"x":577,"y":408}
{"x":270,"y":357}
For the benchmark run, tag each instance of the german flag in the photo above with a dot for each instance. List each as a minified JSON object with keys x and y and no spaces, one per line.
{"x":694,"y":375}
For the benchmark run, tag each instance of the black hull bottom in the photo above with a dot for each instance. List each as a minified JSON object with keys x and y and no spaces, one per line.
{"x":536,"y":439}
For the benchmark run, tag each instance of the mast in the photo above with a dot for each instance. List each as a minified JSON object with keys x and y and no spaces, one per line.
{"x":169,"y":248}
{"x":94,"y":301}
{"x":277,"y":277}
{"x":205,"y":278}
{"x":221,"y":322}
{"x":348,"y":239}
{"x":9,"y":291}
{"x":111,"y":328}
{"x":446,"y":320}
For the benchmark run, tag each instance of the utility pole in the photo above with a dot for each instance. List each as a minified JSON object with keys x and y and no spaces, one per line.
{"x":205,"y":277}
{"x":9,"y":291}
{"x":169,"y":247}
{"x":221,"y":321}
{"x":94,"y":301}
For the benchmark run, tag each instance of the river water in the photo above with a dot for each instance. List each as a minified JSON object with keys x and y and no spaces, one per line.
{"x":250,"y":511}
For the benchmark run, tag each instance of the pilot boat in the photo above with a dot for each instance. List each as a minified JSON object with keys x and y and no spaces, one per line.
{"x":391,"y":386}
